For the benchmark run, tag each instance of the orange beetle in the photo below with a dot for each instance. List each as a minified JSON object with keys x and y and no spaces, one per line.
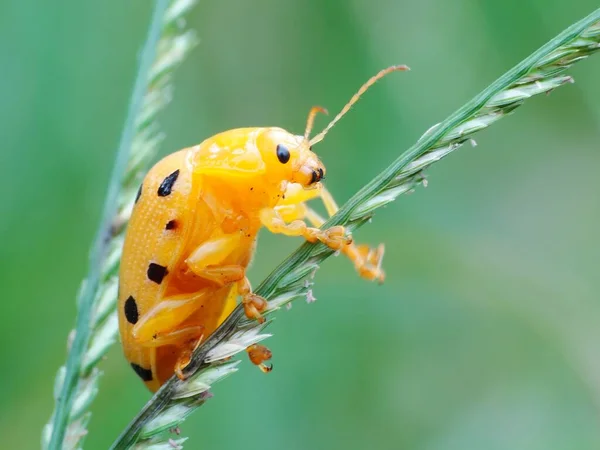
{"x":193,"y":232}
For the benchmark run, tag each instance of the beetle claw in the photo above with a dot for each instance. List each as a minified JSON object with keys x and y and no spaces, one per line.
{"x":258,"y":354}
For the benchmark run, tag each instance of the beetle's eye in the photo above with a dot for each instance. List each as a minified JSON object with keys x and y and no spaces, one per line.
{"x":283,"y":154}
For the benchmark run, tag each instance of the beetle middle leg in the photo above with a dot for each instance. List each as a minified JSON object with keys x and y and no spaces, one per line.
{"x":208,"y":261}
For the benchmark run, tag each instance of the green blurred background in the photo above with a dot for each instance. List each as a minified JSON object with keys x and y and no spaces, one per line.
{"x":485,"y":335}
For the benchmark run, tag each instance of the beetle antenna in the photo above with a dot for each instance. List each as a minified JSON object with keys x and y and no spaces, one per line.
{"x":311,"y":119}
{"x":319,"y":137}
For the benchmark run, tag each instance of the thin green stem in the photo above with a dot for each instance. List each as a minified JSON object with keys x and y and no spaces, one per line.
{"x":90,"y":286}
{"x":539,"y":73}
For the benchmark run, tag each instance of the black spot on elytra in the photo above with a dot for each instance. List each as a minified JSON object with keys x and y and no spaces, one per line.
{"x":139,"y":193}
{"x":171,"y":225}
{"x":144,"y":374}
{"x":156,"y":272}
{"x":166,"y":186}
{"x":131,"y":310}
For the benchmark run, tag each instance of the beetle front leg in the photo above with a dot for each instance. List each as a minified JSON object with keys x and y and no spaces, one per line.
{"x":334,"y":237}
{"x":366,"y":260}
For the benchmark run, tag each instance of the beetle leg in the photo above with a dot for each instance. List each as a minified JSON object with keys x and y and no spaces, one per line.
{"x":212,"y":254}
{"x":333,"y":237}
{"x":258,"y":354}
{"x":193,"y":333}
{"x":253,"y":304}
{"x":222,"y":275}
{"x":366,"y":260}
{"x":161,"y":321}
{"x":206,"y":261}
{"x":185,"y":356}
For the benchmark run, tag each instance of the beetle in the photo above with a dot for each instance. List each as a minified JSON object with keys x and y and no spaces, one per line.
{"x":193,"y":230}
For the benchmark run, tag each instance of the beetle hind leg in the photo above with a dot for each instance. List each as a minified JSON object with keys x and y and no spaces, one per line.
{"x":185,"y":356}
{"x":258,"y":354}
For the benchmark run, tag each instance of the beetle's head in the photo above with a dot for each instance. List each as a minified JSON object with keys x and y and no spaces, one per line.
{"x":289,"y":158}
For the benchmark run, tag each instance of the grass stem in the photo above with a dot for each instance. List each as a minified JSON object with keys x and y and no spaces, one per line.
{"x":96,"y":325}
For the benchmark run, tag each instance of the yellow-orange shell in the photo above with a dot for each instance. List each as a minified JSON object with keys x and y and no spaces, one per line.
{"x":170,"y":218}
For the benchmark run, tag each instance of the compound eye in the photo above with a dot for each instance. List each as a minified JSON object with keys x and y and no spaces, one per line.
{"x":283,"y":154}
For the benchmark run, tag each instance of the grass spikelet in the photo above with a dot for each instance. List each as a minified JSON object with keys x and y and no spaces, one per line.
{"x":96,"y":330}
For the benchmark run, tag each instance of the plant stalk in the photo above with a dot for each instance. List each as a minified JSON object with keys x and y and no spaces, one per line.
{"x":90,"y":285}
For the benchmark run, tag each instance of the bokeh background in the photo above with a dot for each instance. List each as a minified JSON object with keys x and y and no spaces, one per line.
{"x":485,"y":334}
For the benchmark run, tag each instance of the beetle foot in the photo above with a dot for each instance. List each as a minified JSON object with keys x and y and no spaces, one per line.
{"x":258,"y":354}
{"x":368,"y":265}
{"x":253,"y":306}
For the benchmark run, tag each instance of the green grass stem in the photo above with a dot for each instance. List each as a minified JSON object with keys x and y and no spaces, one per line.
{"x":96,"y":328}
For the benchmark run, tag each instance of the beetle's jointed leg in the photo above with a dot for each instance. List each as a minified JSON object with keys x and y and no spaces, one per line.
{"x":258,"y":354}
{"x":209,"y":261}
{"x":333,"y":237}
{"x":159,"y":325}
{"x":185,"y":356}
{"x":293,"y":208}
